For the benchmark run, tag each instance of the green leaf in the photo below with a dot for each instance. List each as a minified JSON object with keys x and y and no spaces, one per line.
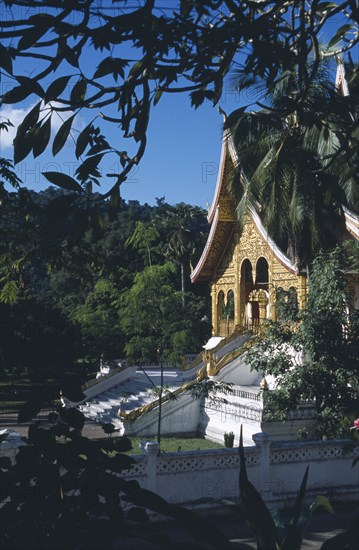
{"x":42,"y":19}
{"x":120,"y":462}
{"x":39,"y":436}
{"x":108,"y":428}
{"x":98,"y":148}
{"x":29,"y":410}
{"x":197,"y":98}
{"x":78,"y":92}
{"x":136,"y":69}
{"x":26,"y":88}
{"x":9,"y":292}
{"x":31,"y":84}
{"x":62,"y":135}
{"x":17,"y":94}
{"x":56,"y":88}
{"x":256,"y":512}
{"x":29,"y":37}
{"x":325,"y":6}
{"x":111,"y":65}
{"x":30,"y":120}
{"x":63,"y":180}
{"x":72,"y":390}
{"x":300,"y":496}
{"x":22,"y":146}
{"x":157,"y":97}
{"x":61,"y":430}
{"x":137,"y":514}
{"x":83,"y":140}
{"x":295,"y":532}
{"x":4,"y":436}
{"x":42,"y":137}
{"x":5,"y":462}
{"x":321,"y":502}
{"x":339,"y":35}
{"x":89,"y":167}
{"x":234,"y":117}
{"x":5,"y":59}
{"x":69,"y":54}
{"x":73,"y":417}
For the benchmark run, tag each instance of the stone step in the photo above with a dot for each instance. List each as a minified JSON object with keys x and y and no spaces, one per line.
{"x":130,"y":395}
{"x":103,"y":404}
{"x":109,"y":400}
{"x":140,"y":382}
{"x":133,"y":388}
{"x":113,"y":394}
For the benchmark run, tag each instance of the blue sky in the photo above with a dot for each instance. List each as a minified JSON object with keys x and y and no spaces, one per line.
{"x":182,"y":156}
{"x":181,"y":160}
{"x":180,"y":163}
{"x":184,"y":145}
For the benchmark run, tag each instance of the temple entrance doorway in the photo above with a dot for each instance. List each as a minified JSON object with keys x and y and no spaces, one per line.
{"x":254,"y":295}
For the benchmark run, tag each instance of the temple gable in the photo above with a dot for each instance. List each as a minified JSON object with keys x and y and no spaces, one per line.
{"x":247,"y":280}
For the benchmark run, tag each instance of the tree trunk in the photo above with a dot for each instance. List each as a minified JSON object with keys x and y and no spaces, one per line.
{"x":160,"y":406}
{"x":183,"y":288}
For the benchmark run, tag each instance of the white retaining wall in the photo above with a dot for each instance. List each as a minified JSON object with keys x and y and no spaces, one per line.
{"x":203,"y":478}
{"x":243,"y":406}
{"x":199,"y":478}
{"x":179,"y":416}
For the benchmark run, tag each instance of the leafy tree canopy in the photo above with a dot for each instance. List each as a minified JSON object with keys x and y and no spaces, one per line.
{"x":302,"y":169}
{"x":153,"y":319}
{"x":314,"y":355}
{"x":62,"y":294}
{"x":189,"y":47}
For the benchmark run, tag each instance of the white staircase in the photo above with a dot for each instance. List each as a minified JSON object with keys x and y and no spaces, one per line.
{"x":130,"y":390}
{"x":130,"y":395}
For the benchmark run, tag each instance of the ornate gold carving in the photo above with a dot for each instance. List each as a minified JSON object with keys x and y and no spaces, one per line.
{"x":226,"y":210}
{"x":226,"y":281}
{"x":247,"y":243}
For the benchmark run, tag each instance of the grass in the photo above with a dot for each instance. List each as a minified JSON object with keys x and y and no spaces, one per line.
{"x":13,"y":393}
{"x":174,"y":444}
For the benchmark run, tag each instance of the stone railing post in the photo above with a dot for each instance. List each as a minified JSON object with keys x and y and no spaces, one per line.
{"x":152,"y":449}
{"x":263,"y":442}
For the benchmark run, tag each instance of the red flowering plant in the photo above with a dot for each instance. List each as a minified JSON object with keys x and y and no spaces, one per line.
{"x":354,"y":429}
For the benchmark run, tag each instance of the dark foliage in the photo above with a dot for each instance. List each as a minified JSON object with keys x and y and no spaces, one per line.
{"x":186,"y":47}
{"x":69,"y":283}
{"x":66,"y":491}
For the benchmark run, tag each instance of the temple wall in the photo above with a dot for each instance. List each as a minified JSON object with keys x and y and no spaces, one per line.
{"x":201,"y":479}
{"x":249,"y":244}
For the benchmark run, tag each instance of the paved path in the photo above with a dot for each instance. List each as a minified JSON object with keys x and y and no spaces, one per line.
{"x":92,"y":430}
{"x":322,"y":527}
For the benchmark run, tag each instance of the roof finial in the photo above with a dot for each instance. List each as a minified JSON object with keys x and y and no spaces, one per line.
{"x":221,"y":112}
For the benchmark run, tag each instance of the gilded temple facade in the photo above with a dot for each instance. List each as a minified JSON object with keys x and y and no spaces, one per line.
{"x":246,"y":270}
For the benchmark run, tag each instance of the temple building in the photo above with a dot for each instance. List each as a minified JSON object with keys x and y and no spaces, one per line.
{"x":245,"y":268}
{"x":247,"y":271}
{"x":249,"y":276}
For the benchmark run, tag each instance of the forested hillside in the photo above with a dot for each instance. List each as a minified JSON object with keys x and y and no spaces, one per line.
{"x":83,"y":282}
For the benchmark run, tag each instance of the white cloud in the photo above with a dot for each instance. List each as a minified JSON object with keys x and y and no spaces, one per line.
{"x":16,"y":116}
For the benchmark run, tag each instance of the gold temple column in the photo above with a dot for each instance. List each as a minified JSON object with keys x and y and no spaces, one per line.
{"x":302,"y":292}
{"x":214,"y":310}
{"x":262,"y":302}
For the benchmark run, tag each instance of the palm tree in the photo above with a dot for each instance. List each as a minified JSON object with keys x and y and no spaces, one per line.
{"x":295,"y":162}
{"x":183,"y":226}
